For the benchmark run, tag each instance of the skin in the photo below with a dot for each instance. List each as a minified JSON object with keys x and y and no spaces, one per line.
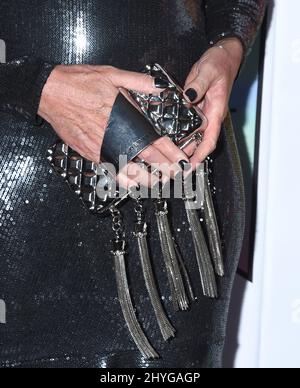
{"x":213,"y":77}
{"x":77,"y":102}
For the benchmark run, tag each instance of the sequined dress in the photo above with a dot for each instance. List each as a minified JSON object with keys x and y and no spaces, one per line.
{"x":56,"y":272}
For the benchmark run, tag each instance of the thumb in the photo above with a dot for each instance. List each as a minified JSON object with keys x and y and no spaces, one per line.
{"x":197,"y":85}
{"x":139,"y":82}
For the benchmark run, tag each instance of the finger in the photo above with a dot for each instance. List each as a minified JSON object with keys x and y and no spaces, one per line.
{"x":198,"y":83}
{"x":125,"y":182}
{"x":215,"y":109}
{"x":154,"y":157}
{"x":191,"y":148}
{"x":208,"y":144}
{"x":139,"y":82}
{"x":135,"y":173}
{"x":171,"y":151}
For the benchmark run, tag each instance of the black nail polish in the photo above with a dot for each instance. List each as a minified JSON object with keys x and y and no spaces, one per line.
{"x":161,"y":83}
{"x":183,"y":164}
{"x":135,"y":188}
{"x":191,"y":94}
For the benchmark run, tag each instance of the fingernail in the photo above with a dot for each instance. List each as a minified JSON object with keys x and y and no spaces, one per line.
{"x":191,"y":94}
{"x":183,"y":164}
{"x":161,"y":83}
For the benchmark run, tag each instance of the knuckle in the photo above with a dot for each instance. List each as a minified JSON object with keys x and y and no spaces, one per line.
{"x":161,"y":141}
{"x":196,"y":68}
{"x":210,"y":68}
{"x":201,"y":84}
{"x":108,"y":71}
{"x":145,"y":78}
{"x":212,"y":144}
{"x":108,"y":68}
{"x":211,"y":65}
{"x":224,"y":112}
{"x":146,"y":153}
{"x":198,"y":157}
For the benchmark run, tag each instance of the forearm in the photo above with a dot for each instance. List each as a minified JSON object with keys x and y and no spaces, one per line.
{"x":234,"y":18}
{"x":21,"y":84}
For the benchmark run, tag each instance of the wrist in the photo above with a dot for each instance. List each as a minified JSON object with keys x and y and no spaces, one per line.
{"x":47,"y":92}
{"x":235,"y":50}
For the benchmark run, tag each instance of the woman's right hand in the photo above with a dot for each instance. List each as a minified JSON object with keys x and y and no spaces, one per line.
{"x":77,"y":101}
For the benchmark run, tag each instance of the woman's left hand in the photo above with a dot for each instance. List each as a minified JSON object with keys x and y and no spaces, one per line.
{"x":209,"y":86}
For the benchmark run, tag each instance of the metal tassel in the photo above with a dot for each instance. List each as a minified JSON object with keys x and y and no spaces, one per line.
{"x":134,"y":327}
{"x":205,"y":266}
{"x":179,"y":297}
{"x":212,"y":227}
{"x":164,"y":324}
{"x":185,"y":273}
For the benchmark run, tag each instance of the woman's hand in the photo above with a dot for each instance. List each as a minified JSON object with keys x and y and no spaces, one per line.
{"x":209,"y":85}
{"x":77,"y":101}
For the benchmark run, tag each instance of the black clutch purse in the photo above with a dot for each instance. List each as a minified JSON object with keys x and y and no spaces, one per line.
{"x":169,"y":114}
